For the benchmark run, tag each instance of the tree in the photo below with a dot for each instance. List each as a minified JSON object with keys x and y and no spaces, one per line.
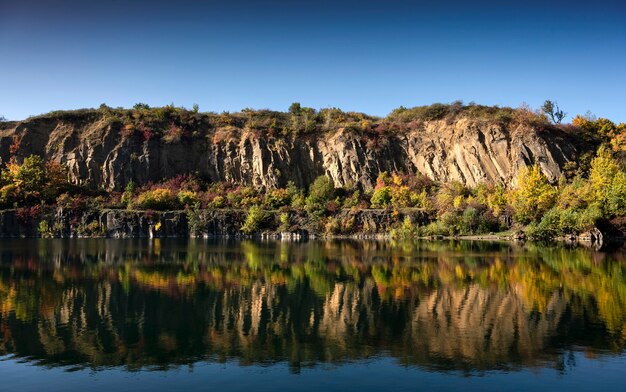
{"x":533,"y":196}
{"x":603,"y":170}
{"x":141,"y":106}
{"x":552,"y":110}
{"x":2,"y":118}
{"x":321,"y":191}
{"x":295,"y":108}
{"x":608,"y":183}
{"x":617,"y":195}
{"x":254,"y":220}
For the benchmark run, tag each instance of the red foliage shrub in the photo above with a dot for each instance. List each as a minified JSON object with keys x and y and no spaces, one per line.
{"x":332,"y":206}
{"x":29,"y":214}
{"x":15,"y":145}
{"x":146,"y":132}
{"x":185,"y":182}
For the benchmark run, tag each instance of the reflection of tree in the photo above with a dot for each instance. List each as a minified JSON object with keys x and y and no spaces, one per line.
{"x":449,"y":306}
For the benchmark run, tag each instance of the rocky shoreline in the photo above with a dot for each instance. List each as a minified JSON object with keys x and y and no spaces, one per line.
{"x":226,"y":223}
{"x":118,"y":223}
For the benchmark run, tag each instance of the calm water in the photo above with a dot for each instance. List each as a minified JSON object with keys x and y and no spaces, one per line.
{"x":351,"y":315}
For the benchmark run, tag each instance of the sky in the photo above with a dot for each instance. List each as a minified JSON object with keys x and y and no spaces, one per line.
{"x":367,"y":56}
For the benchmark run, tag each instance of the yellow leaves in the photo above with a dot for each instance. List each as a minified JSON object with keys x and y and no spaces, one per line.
{"x":459,"y":202}
{"x":580,"y":121}
{"x":603,"y":169}
{"x":157,"y":199}
{"x":400,"y":195}
{"x":497,"y":200}
{"x":533,"y":195}
{"x":608,"y":183}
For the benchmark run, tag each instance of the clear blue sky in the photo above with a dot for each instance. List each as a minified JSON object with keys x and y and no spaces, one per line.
{"x":369,"y":56}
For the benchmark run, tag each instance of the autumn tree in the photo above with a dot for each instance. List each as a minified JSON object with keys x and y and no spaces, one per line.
{"x":608,"y":183}
{"x":533,"y":195}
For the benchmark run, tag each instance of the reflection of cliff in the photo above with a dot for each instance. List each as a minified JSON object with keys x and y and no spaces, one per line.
{"x":305,"y":304}
{"x":483,"y":327}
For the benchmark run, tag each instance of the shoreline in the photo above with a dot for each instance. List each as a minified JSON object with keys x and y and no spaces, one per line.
{"x":227,"y":223}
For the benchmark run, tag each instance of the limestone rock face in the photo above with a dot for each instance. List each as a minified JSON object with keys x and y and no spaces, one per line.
{"x":97,"y":154}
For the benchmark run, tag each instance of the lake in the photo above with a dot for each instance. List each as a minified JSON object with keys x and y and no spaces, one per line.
{"x":105,"y":314}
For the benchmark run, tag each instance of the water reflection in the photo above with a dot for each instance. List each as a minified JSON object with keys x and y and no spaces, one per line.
{"x":442,"y":306}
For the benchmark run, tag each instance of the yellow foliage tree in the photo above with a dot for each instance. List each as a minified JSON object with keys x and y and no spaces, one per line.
{"x":533,"y":195}
{"x":603,"y":170}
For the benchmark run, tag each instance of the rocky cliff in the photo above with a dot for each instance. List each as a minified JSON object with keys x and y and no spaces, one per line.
{"x":99,"y":151}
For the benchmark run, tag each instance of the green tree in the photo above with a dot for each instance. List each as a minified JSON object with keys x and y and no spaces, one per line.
{"x":321,"y":190}
{"x":552,"y":110}
{"x":381,"y":198}
{"x":254,"y":219}
{"x":295,"y":108}
{"x":129,"y":193}
{"x":616,"y":198}
{"x":28,"y":177}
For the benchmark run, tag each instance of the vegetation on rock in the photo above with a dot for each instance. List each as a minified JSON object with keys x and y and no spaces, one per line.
{"x":589,"y":192}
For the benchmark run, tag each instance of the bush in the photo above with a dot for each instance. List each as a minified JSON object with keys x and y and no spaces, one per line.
{"x":254,"y":220}
{"x":129,"y":193}
{"x":277,"y":198}
{"x":285,"y":222}
{"x":196,"y":220}
{"x":381,"y":198}
{"x":436,"y":228}
{"x":616,"y":195}
{"x":353,"y":200}
{"x":332,"y":226}
{"x":548,"y":227}
{"x":321,"y":191}
{"x":187,"y":198}
{"x":157,"y":199}
{"x":406,"y":231}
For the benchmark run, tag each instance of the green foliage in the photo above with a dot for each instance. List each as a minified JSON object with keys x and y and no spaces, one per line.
{"x":254,"y":219}
{"x":381,"y":198}
{"x":187,"y":198}
{"x":196,"y":220}
{"x":30,"y":176}
{"x":321,"y":191}
{"x":557,"y":222}
{"x":353,"y":200}
{"x":129,"y":192}
{"x":616,"y":195}
{"x":285,"y":222}
{"x":406,"y":231}
{"x":33,"y":181}
{"x":44,"y":228}
{"x":552,"y":110}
